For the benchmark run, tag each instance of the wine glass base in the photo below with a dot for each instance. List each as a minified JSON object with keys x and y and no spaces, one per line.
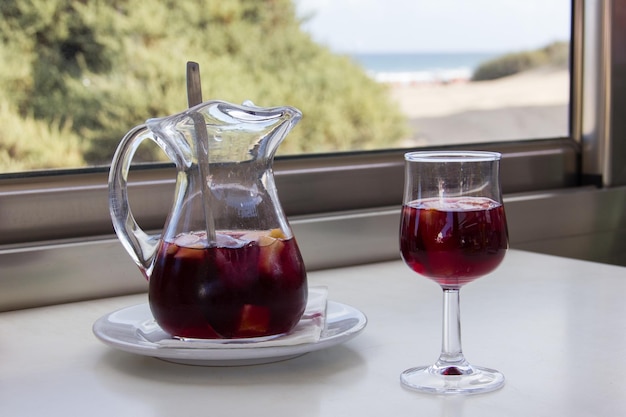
{"x":432,"y":380}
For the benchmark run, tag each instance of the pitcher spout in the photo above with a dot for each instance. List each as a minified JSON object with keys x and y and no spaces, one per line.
{"x":284,"y":119}
{"x":274,"y":123}
{"x":235,"y":132}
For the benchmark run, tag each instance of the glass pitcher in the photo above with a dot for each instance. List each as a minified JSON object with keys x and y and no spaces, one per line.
{"x":227,"y":264}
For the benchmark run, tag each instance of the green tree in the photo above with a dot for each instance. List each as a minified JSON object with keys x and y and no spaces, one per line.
{"x":101,"y":67}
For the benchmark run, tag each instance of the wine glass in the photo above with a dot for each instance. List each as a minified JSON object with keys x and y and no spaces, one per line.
{"x":453,"y":230}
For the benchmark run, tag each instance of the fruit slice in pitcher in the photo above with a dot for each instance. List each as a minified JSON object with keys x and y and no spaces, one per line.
{"x":254,"y":321}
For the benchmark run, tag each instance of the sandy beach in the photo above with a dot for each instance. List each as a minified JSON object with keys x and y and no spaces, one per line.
{"x":533,"y":104}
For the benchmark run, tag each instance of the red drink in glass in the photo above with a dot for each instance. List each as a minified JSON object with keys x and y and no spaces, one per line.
{"x":453,"y":230}
{"x":251,"y":284}
{"x":453,"y":240}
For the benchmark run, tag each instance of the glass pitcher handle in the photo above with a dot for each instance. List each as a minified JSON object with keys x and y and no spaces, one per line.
{"x":140,"y":246}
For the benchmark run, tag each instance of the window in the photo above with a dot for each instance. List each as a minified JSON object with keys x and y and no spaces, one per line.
{"x":424,"y":77}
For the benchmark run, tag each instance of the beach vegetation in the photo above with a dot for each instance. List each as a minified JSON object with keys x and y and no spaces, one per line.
{"x":75,"y":75}
{"x":28,"y":144}
{"x":554,"y":55}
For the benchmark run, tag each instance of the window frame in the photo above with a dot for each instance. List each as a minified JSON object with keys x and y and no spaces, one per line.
{"x":65,"y":206}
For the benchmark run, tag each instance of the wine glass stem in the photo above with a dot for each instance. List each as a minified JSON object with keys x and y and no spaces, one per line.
{"x":451,"y":360}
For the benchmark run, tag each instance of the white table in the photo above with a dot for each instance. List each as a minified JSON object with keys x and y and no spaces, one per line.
{"x":555,"y":327}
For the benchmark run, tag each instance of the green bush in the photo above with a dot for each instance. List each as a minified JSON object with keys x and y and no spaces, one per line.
{"x":554,"y":55}
{"x":104,"y":67}
{"x":29,"y":144}
{"x":557,"y":54}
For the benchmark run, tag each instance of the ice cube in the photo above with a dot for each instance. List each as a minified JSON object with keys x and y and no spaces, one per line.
{"x":251,"y":236}
{"x":228,"y":241}
{"x":474,"y":203}
{"x":457,"y":204}
{"x":188,"y":240}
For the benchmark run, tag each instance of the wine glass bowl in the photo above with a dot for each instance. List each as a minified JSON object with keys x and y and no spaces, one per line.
{"x":452,"y":230}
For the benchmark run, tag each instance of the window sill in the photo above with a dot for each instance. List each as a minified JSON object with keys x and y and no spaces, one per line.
{"x":593,"y":228}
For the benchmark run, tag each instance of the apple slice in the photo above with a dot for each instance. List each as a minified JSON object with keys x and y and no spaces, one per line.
{"x":189,"y":253}
{"x":269,"y":255}
{"x":277,"y":234}
{"x":254,"y":321}
{"x":171,"y":249}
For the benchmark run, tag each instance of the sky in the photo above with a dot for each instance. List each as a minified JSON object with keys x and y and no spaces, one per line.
{"x":350,"y":26}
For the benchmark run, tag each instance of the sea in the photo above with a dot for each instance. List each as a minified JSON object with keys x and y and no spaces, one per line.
{"x":411,"y":68}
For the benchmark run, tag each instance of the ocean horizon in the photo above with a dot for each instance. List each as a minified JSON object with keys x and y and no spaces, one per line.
{"x":421,"y":67}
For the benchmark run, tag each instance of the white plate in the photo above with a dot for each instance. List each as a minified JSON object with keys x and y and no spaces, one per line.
{"x":121,"y":330}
